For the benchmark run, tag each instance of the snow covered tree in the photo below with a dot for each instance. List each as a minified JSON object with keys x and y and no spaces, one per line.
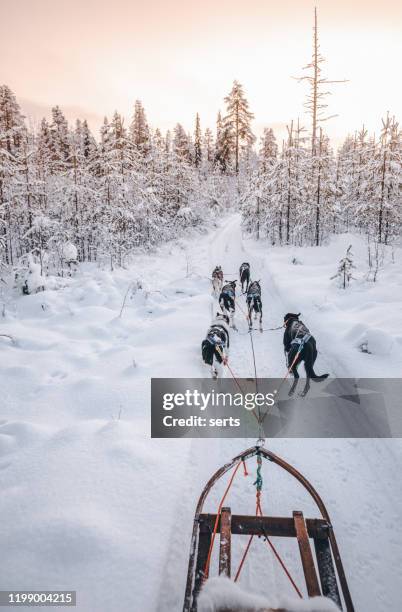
{"x":197,"y":142}
{"x":387,"y":173}
{"x":59,"y":141}
{"x":208,"y":146}
{"x":316,"y":107}
{"x":345,"y":269}
{"x":236,"y":128}
{"x":368,"y":183}
{"x":11,"y":137}
{"x":181,"y":144}
{"x":268,"y":149}
{"x":139,"y":130}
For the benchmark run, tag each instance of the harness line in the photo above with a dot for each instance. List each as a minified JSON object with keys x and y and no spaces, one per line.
{"x":225,"y":362}
{"x":258,"y":512}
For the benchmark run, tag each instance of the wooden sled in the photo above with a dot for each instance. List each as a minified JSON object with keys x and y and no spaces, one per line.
{"x":331,"y":582}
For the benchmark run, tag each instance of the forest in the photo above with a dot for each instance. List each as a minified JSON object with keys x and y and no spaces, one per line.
{"x":67,"y":195}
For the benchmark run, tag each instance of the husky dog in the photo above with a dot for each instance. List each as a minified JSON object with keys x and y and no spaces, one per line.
{"x":299,"y":346}
{"x":216,"y":344}
{"x":217,"y":280}
{"x":227,"y":300}
{"x":254,"y":303}
{"x":244,"y":273}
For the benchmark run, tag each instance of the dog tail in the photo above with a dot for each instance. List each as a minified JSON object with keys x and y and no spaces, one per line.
{"x":311,"y":374}
{"x":318,"y":379}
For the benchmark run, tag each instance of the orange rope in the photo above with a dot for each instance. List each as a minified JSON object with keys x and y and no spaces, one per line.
{"x":283,"y":566}
{"x":225,"y":362}
{"x":288,"y":372}
{"x":258,"y":512}
{"x":243,"y":558}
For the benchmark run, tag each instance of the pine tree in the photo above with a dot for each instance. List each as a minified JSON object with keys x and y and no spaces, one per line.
{"x":181,"y":144}
{"x":197,"y":142}
{"x":268,"y":149}
{"x":387,"y":168}
{"x":11,"y":137}
{"x":345,"y":269}
{"x":236,"y":124}
{"x":224,"y":146}
{"x":208,"y":145}
{"x":59,"y":141}
{"x":139,"y":130}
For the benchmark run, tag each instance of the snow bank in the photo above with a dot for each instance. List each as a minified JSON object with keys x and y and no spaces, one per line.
{"x":90,"y":502}
{"x":377,"y":342}
{"x":358,"y":329}
{"x":220,"y":594}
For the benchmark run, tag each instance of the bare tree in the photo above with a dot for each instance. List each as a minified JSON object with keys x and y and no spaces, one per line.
{"x":317,"y":109}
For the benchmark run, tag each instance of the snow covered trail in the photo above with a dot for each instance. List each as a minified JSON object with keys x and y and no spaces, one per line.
{"x":90,"y":502}
{"x":355,"y":477}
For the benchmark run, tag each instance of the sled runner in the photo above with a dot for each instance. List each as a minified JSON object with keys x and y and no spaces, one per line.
{"x":331,"y":580}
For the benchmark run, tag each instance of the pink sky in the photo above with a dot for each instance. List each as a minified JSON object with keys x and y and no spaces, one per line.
{"x":179,"y":57}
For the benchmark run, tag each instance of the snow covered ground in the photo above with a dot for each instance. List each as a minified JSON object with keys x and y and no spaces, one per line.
{"x":89,"y":502}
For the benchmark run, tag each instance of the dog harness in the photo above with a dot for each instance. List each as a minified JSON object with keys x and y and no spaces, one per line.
{"x":302,"y":334}
{"x":215,"y":334}
{"x":301,"y":341}
{"x":228,"y":291}
{"x":253,"y":290}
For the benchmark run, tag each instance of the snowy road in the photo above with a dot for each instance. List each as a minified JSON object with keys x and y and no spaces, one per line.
{"x":353,"y":476}
{"x":90,"y":503}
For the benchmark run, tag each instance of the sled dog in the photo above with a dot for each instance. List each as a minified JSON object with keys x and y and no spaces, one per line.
{"x":299,"y":346}
{"x":254,"y":303}
{"x":215,"y":346}
{"x":227,"y":300}
{"x":217,"y":280}
{"x":244,"y":273}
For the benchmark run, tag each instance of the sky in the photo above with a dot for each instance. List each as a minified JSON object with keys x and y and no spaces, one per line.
{"x":92,"y":57}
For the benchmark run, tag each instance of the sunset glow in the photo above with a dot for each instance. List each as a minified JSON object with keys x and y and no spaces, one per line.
{"x":180,"y":58}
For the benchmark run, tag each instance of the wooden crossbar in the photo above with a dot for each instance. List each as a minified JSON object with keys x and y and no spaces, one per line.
{"x":272,"y":525}
{"x":297,"y":527}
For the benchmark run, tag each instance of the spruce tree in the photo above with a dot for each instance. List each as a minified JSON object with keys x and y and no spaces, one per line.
{"x":139,"y":130}
{"x":237,"y":123}
{"x":197,"y":142}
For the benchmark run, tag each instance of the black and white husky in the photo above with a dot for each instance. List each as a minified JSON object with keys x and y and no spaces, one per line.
{"x":244,"y":273}
{"x":254,"y":303}
{"x":217,"y":280}
{"x":227,"y":301}
{"x":298,"y":342}
{"x":216,"y":344}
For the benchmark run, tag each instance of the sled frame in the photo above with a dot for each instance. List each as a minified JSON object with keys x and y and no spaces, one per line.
{"x":325,"y":555}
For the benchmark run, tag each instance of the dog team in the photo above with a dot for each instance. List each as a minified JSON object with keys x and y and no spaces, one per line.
{"x":299,"y":344}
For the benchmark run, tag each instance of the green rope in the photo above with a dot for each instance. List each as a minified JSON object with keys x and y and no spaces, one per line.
{"x":258,"y":482}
